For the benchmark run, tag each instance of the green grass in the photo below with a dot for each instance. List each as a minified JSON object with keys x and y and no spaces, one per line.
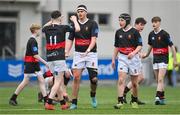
{"x":106,"y":96}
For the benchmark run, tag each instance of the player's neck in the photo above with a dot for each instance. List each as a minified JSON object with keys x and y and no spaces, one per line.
{"x":34,"y":35}
{"x":127,"y":28}
{"x":83,"y":20}
{"x":56,"y":22}
{"x":157,"y":30}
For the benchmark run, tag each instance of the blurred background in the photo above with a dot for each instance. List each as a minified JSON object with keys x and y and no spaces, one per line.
{"x":16,"y":16}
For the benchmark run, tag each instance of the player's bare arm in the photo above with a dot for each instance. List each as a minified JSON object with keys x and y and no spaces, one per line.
{"x":131,"y":55}
{"x":41,"y":60}
{"x":115,"y":53}
{"x":148,"y":52}
{"x":175,"y":64}
{"x":69,"y":44}
{"x":76,"y":24}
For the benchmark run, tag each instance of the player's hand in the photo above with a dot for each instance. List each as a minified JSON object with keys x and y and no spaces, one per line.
{"x":47,"y":65}
{"x":67,"y":54}
{"x":73,"y":18}
{"x":131,"y":55}
{"x":113,"y":64}
{"x":84,"y":54}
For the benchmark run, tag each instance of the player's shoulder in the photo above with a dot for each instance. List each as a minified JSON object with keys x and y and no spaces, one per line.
{"x":134,"y":30}
{"x":151,"y":32}
{"x":119,"y":30}
{"x":32,"y":39}
{"x":164,"y":32}
{"x":92,"y":21}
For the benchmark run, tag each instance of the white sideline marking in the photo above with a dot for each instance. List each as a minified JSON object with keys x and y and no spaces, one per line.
{"x":20,"y":109}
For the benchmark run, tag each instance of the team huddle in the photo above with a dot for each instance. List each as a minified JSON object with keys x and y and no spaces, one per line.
{"x":83,"y":32}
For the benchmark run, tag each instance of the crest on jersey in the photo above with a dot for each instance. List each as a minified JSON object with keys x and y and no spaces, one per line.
{"x":159,"y":38}
{"x":86,"y":28}
{"x":152,"y":38}
{"x":129,"y":36}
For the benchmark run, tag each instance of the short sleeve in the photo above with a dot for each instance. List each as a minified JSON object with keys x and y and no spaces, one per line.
{"x":34,"y":47}
{"x":139,"y":38}
{"x":95,"y":30}
{"x":71,"y":36}
{"x":150,"y":40}
{"x":168,"y":39}
{"x":116,"y":40}
{"x":69,"y":28}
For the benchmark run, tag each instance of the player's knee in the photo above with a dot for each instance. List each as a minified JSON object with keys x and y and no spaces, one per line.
{"x":134,"y":85}
{"x":121,"y":80}
{"x":93,"y":75}
{"x":94,"y":81}
{"x":160,"y":80}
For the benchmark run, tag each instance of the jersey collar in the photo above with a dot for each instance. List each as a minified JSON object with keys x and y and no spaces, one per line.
{"x":157,"y":31}
{"x":83,"y":22}
{"x":127,"y":29}
{"x":33,"y":36}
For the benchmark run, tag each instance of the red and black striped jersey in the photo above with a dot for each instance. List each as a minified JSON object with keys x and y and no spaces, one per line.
{"x":31,"y":50}
{"x":160,"y":42}
{"x":127,"y":41}
{"x":55,"y":41}
{"x":83,"y":38}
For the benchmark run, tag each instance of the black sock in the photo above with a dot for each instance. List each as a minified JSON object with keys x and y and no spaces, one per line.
{"x":158,"y":94}
{"x":93,"y":94}
{"x":120,"y":99}
{"x":14,"y":96}
{"x":49,"y":101}
{"x":133,"y":99}
{"x":162,"y":95}
{"x":45,"y":99}
{"x":126,"y":90}
{"x":74,"y":101}
{"x":63,"y":102}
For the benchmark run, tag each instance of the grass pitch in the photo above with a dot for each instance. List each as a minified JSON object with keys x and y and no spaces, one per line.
{"x":106,"y":96}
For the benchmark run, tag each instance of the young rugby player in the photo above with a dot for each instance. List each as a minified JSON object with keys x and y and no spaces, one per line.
{"x":55,"y":46}
{"x":31,"y":65}
{"x":128,"y":43}
{"x":159,"y":40}
{"x":139,"y":26}
{"x":85,"y":55}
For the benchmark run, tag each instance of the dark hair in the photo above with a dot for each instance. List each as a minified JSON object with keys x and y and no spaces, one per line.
{"x":55,"y":14}
{"x":140,"y":20}
{"x":156,"y":19}
{"x":82,"y":6}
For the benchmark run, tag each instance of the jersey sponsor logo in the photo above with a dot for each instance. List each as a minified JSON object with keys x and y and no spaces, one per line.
{"x":126,"y":50}
{"x":160,"y":51}
{"x":15,"y":70}
{"x":53,"y":54}
{"x":82,"y":42}
{"x":35,"y":49}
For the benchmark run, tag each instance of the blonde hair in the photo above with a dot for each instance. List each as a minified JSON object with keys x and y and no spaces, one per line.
{"x":34,"y":27}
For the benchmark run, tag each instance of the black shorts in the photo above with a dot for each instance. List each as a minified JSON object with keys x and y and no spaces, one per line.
{"x":31,"y":67}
